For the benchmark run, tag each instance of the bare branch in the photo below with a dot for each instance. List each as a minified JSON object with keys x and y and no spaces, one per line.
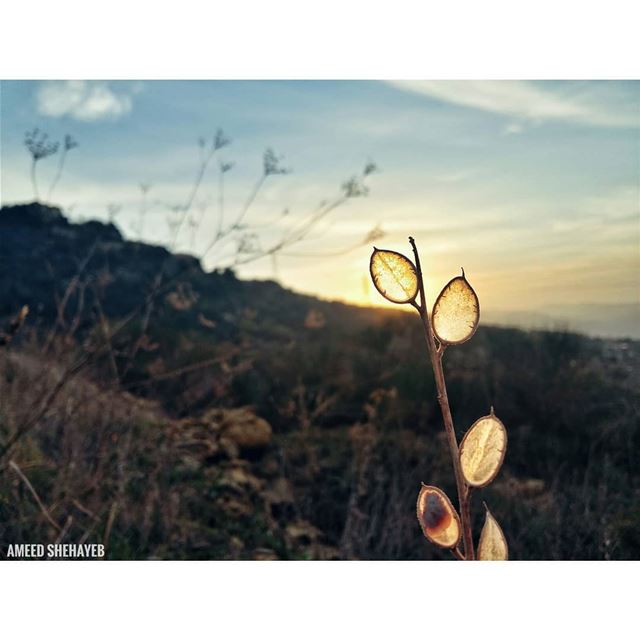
{"x":36,"y":497}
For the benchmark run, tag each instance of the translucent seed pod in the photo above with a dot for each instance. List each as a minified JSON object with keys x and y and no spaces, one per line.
{"x":439,"y":521}
{"x":482,"y":450}
{"x":394,"y":276}
{"x":493,"y":544}
{"x":456,"y":312}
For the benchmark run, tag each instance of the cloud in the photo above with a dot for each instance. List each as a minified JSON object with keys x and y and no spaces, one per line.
{"x":598,"y":104}
{"x":82,"y":100}
{"x":513,"y":128}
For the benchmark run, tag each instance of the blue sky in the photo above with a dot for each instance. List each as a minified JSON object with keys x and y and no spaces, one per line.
{"x":531,"y":186}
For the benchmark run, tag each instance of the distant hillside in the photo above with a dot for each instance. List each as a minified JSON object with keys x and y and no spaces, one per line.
{"x":77,"y":277}
{"x":43,"y":254}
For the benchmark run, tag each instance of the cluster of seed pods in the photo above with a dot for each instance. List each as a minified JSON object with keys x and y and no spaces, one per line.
{"x":453,"y":320}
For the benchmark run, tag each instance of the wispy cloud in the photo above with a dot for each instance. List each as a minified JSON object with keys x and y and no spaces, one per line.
{"x":535,"y":102}
{"x":82,"y":100}
{"x":513,"y":128}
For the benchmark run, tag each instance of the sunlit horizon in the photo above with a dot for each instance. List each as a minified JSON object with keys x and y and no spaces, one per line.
{"x":532,"y":187}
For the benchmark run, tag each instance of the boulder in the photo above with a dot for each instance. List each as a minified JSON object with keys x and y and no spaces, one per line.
{"x":279,"y":492}
{"x":245,"y":429}
{"x":265,"y":554}
{"x":302,"y":533}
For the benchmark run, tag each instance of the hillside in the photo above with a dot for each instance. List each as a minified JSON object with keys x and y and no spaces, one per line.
{"x":221,"y":418}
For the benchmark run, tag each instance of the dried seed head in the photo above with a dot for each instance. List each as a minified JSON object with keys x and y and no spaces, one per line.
{"x":493,"y":544}
{"x":482,"y":451}
{"x":456,"y":312}
{"x":437,"y":517}
{"x":394,"y":276}
{"x":13,"y":327}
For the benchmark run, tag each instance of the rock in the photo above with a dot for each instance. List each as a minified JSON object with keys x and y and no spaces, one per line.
{"x":189,"y":463}
{"x":223,"y":433}
{"x":230,"y":448}
{"x":265,"y":554}
{"x":246,"y":429}
{"x":234,"y":506}
{"x":270,"y":468}
{"x":302,"y":533}
{"x":280,"y":492}
{"x":315,"y":319}
{"x":194,"y":439}
{"x":239,"y":480}
{"x":325,"y":552}
{"x":236,"y":546}
{"x":307,"y":540}
{"x":280,"y":500}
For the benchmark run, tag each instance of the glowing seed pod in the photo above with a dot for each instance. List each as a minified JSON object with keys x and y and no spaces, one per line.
{"x":439,"y":521}
{"x":493,"y":544}
{"x":482,"y":450}
{"x":394,"y":276}
{"x":456,"y":312}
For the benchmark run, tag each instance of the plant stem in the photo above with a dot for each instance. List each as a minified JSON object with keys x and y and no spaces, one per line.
{"x":435,"y":354}
{"x":58,"y":174}
{"x":33,"y":179}
{"x":220,"y":203}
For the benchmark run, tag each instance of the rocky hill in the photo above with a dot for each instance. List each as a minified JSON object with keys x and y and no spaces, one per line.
{"x":45,"y":258}
{"x":78,"y":278}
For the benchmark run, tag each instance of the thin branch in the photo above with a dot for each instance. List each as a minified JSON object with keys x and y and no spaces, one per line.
{"x":222,"y":170}
{"x":226,"y":233}
{"x":33,"y":492}
{"x":457,"y":553}
{"x":69,"y":290}
{"x":106,"y":332}
{"x":443,"y":400}
{"x":180,"y":371}
{"x":34,"y":182}
{"x":68,"y":144}
{"x":65,"y":529}
{"x":55,"y":181}
{"x":219,"y":141}
{"x":110,"y":520}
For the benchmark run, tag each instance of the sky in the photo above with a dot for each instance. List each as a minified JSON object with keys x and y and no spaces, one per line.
{"x":532,"y":187}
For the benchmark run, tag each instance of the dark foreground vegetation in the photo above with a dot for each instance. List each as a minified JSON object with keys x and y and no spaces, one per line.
{"x":171,"y":413}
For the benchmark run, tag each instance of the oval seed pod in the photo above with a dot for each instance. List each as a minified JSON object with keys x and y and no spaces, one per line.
{"x":482,"y":450}
{"x":456,"y":312}
{"x":393,"y":275}
{"x":437,"y":517}
{"x":493,"y":544}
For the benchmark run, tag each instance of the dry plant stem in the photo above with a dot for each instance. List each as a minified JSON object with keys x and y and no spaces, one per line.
{"x":54,"y":183}
{"x":435,"y":353}
{"x":34,"y":182}
{"x":13,"y":327}
{"x":36,"y":497}
{"x":457,"y":554}
{"x":65,"y":530}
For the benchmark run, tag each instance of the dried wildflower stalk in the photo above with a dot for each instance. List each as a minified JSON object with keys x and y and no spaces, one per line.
{"x":454,"y":320}
{"x":13,"y":327}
